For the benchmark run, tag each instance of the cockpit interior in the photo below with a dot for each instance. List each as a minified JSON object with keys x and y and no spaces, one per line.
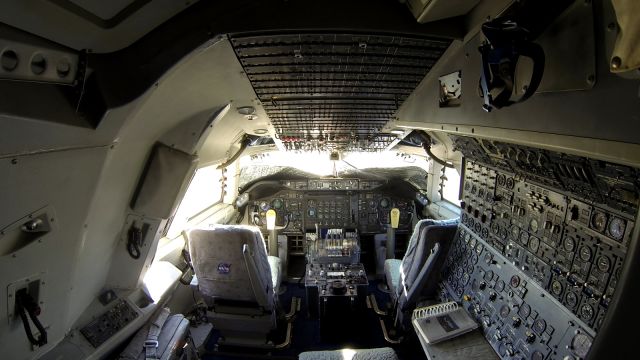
{"x":294,"y":179}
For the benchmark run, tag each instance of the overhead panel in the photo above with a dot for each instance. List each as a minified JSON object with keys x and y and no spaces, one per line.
{"x":326,"y":91}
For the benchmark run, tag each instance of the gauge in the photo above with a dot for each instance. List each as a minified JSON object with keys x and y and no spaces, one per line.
{"x":504,"y":311}
{"x":537,"y":355}
{"x":488,"y":258}
{"x":474,"y":259}
{"x":465,"y":279}
{"x":569,"y":244}
{"x":488,"y":275}
{"x":384,"y":203}
{"x":499,"y":286}
{"x":524,"y":238}
{"x":264,"y":206}
{"x":495,"y":228}
{"x":599,"y":221}
{"x":474,"y":189}
{"x":515,"y":281}
{"x":481,"y":193}
{"x":580,"y":345}
{"x":603,"y":263}
{"x":572,"y":299}
{"x":525,"y":311}
{"x":539,"y":326}
{"x":616,"y":228}
{"x":277,"y":204}
{"x":586,"y":312}
{"x":372,"y":204}
{"x":534,"y":244}
{"x":556,"y":288}
{"x":477,"y":227}
{"x":484,"y":233}
{"x":515,"y":232}
{"x":533,"y":225}
{"x":510,"y":183}
{"x":500,"y":179}
{"x":585,"y":253}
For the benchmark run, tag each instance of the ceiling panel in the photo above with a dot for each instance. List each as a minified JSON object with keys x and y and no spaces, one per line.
{"x":336,"y":90}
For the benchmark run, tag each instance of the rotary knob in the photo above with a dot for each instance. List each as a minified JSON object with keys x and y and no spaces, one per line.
{"x":516,"y":322}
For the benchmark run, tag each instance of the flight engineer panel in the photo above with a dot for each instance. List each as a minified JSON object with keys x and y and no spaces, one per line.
{"x":540,"y":248}
{"x":342,"y":203}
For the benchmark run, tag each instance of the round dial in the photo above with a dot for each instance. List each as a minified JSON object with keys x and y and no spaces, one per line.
{"x":533,"y":225}
{"x":572,"y":299}
{"x":481,"y":193}
{"x":525,"y":311}
{"x":510,"y":183}
{"x":499,"y":286}
{"x":539,"y":326}
{"x":515,"y":281}
{"x":569,"y":244}
{"x":534,"y":244}
{"x":264,"y":206}
{"x":599,"y":221}
{"x":465,"y":279}
{"x":556,"y":288}
{"x":580,"y":345}
{"x":504,"y":311}
{"x":277,"y":204}
{"x":384,"y":203}
{"x":604,"y":264}
{"x":616,"y":228}
{"x":524,"y":238}
{"x":500,"y":179}
{"x":585,"y":253}
{"x":586,"y":312}
{"x":515,"y":232}
{"x":537,"y":355}
{"x":488,"y":275}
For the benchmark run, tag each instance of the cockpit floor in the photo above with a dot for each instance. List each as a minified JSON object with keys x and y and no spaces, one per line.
{"x":363,"y":332}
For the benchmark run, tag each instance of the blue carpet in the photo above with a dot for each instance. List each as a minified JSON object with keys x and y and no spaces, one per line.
{"x":357,"y":330}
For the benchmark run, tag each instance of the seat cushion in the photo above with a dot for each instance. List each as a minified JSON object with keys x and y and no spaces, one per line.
{"x":276,"y":272}
{"x":349,"y":354}
{"x":392,"y":273}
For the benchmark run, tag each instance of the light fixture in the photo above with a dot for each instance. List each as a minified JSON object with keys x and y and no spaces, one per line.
{"x":260,"y":131}
{"x":397,"y":131}
{"x":246,"y":110}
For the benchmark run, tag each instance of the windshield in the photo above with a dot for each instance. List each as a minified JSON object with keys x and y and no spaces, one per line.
{"x":367,"y":165}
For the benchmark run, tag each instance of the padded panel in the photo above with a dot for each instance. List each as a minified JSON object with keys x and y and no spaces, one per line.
{"x":219,"y":263}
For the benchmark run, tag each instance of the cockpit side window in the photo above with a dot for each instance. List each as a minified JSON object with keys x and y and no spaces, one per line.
{"x":451,"y":186}
{"x":204,"y":191}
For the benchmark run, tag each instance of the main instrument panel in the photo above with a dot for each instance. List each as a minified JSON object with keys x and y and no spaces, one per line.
{"x":344,"y":203}
{"x":541,"y":245}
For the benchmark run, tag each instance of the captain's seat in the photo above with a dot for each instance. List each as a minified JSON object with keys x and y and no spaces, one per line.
{"x":237,"y":280}
{"x":416,"y":276}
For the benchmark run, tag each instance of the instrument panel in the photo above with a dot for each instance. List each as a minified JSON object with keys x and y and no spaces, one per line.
{"x":347,"y":203}
{"x":541,"y":246}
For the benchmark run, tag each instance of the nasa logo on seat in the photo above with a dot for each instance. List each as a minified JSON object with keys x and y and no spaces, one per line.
{"x":224,"y":268}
